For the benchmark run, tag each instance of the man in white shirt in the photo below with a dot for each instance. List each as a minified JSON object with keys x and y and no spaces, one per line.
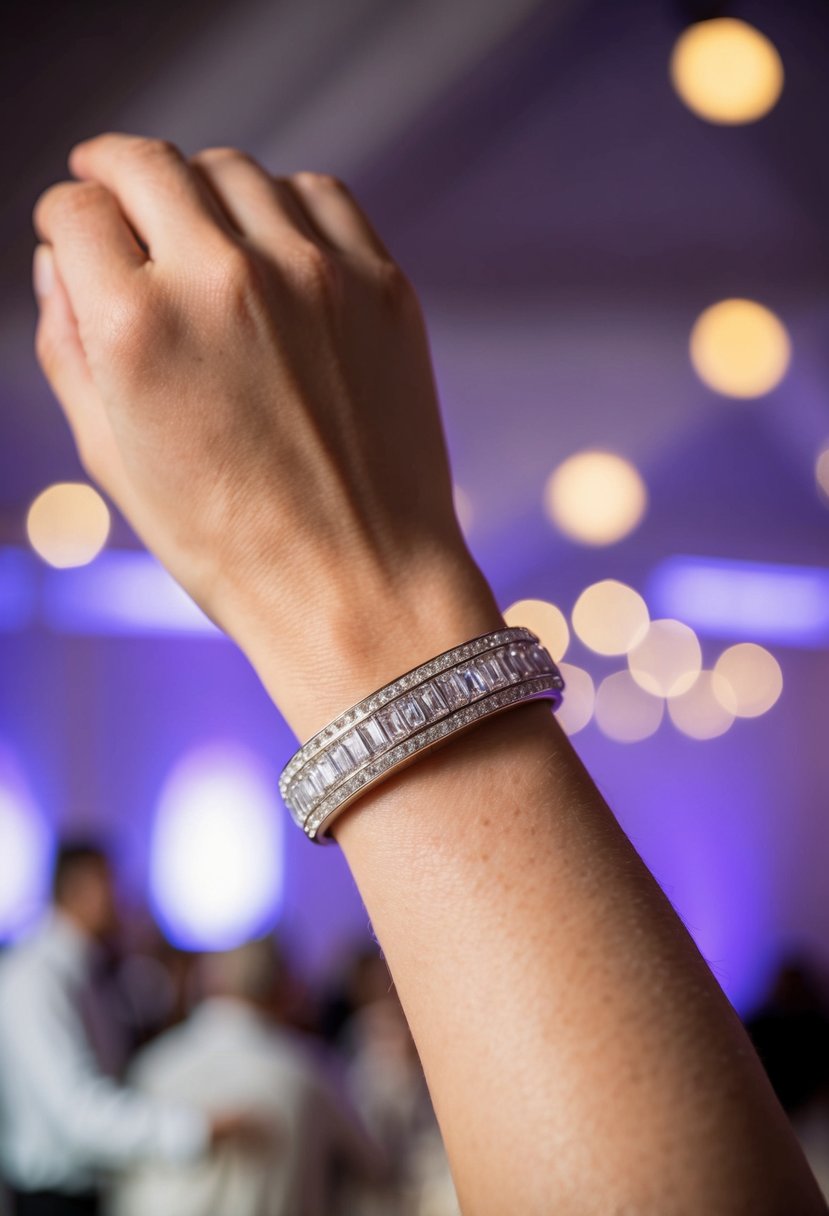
{"x":64,"y":1123}
{"x":231,"y":1053}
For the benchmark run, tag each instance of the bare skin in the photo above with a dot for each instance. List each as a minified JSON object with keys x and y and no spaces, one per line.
{"x":246,"y":373}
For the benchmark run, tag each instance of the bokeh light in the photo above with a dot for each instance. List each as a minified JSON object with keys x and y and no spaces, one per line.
{"x":546,"y":621}
{"x":596,"y":498}
{"x":576,"y":708}
{"x":726,"y":71}
{"x":753,"y":676}
{"x":624,"y":711}
{"x":216,"y":858}
{"x":668,"y":659}
{"x":68,"y":524}
{"x":706,"y":710}
{"x":822,"y":474}
{"x":25,"y":850}
{"x":610,"y":617}
{"x":740,"y":348}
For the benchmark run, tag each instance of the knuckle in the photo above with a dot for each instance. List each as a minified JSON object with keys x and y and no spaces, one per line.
{"x":314,"y":270}
{"x":221,"y":154}
{"x":234,"y":272}
{"x":85,"y":196}
{"x":68,"y":199}
{"x":319,"y":181}
{"x":148,"y":148}
{"x":393,"y":284}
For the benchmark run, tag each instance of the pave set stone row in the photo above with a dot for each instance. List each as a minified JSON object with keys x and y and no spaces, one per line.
{"x":414,"y":712}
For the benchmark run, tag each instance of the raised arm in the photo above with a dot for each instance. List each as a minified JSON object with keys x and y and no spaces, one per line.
{"x":246,"y":373}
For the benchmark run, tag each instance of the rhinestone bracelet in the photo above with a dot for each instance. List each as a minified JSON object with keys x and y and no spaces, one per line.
{"x":414,"y":713}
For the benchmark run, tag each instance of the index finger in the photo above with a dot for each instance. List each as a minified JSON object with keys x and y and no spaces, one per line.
{"x":93,"y":245}
{"x":166,"y":202}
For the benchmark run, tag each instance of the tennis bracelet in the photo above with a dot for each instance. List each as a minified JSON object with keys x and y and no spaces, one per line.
{"x":416,"y":712}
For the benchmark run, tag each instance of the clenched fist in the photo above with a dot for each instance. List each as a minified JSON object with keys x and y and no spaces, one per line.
{"x":246,"y":374}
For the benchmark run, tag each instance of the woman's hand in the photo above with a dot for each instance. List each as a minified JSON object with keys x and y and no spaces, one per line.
{"x":247,"y":375}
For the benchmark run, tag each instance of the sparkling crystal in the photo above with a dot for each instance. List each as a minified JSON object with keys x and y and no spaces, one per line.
{"x":454,"y":689}
{"x":312,"y":782}
{"x":393,"y":723}
{"x":521,"y":661}
{"x":411,"y":712}
{"x":510,"y":670}
{"x":356,"y":746}
{"x":373,"y":735}
{"x":301,"y":798}
{"x":325,"y":773}
{"x":432,"y":700}
{"x":340,"y":758}
{"x":492,"y":672}
{"x":474,"y":682}
{"x":538,"y":657}
{"x":482,"y":670}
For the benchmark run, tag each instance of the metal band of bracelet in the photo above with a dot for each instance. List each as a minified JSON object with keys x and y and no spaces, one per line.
{"x":416,"y":712}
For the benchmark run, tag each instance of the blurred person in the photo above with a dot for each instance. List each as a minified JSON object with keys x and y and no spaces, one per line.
{"x":361,"y":978}
{"x":64,"y":1120}
{"x":231,"y":1052}
{"x":387,"y":1084}
{"x":790,"y":1032}
{"x":246,"y":372}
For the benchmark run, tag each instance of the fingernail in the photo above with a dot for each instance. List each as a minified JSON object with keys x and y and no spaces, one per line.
{"x":43,"y":271}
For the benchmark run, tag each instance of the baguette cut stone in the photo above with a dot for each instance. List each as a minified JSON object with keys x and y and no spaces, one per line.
{"x":433,"y":701}
{"x":474,"y":682}
{"x":303,"y":797}
{"x":314,"y":782}
{"x":373,"y":735}
{"x":502,"y":658}
{"x":539,"y":659}
{"x":342,"y":761}
{"x":355,"y":745}
{"x":411,"y":712}
{"x":393,"y":723}
{"x":454,"y":689}
{"x":325,"y":772}
{"x":492,"y":673}
{"x":510,"y":660}
{"x":521,"y":659}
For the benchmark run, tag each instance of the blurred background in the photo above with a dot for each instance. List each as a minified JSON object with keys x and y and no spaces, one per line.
{"x":615,"y":214}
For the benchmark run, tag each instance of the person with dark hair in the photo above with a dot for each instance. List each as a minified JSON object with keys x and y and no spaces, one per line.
{"x":64,"y":1120}
{"x":73,"y":860}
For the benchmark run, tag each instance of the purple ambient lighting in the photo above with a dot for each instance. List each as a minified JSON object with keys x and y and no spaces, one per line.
{"x":217,"y":850}
{"x":25,"y":851}
{"x":18,"y":589}
{"x":121,"y":592}
{"x":756,"y":602}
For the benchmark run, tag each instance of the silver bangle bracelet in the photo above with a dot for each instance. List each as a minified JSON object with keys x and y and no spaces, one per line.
{"x":408,"y":717}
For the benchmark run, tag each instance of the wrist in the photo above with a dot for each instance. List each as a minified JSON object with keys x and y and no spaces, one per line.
{"x":326,"y":661}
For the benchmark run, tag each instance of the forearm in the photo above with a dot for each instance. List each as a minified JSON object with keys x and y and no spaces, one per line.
{"x":580,"y":1055}
{"x":281,"y":452}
